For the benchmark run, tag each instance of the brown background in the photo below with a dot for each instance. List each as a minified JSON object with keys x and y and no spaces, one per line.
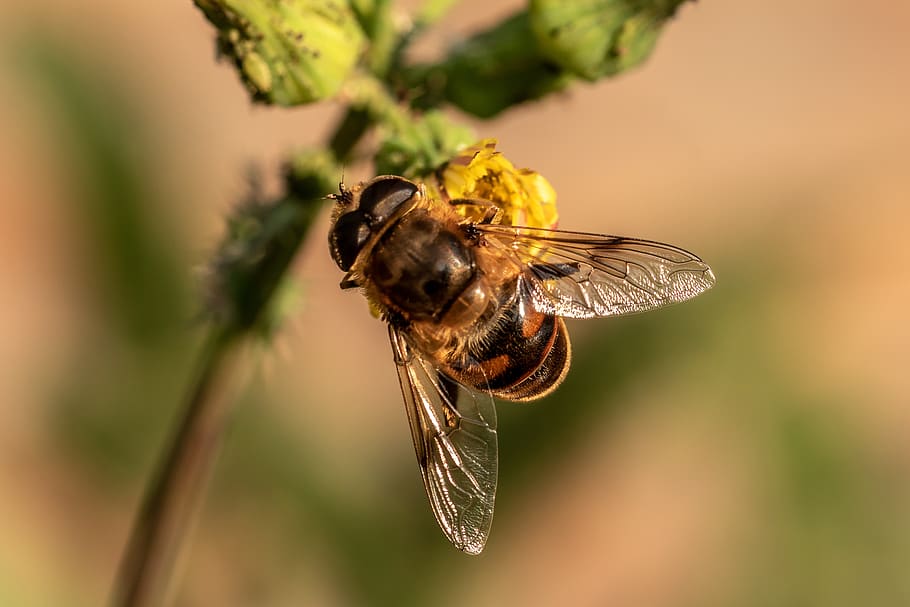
{"x":754,"y":452}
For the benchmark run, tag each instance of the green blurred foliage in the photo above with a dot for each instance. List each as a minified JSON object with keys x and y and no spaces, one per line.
{"x":140,"y":291}
{"x":114,"y":194}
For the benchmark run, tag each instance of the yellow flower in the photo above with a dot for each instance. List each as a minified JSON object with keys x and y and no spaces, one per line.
{"x":525,"y":196}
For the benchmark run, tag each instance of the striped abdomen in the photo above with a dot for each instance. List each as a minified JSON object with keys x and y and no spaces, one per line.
{"x":524,"y":356}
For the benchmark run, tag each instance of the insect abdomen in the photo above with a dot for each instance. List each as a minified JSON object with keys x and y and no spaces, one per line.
{"x":523,"y":357}
{"x":548,"y":375}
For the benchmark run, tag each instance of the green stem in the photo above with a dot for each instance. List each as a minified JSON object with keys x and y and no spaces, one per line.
{"x":367,"y":94}
{"x":175,"y":496}
{"x":351,"y":128}
{"x":383,"y":39}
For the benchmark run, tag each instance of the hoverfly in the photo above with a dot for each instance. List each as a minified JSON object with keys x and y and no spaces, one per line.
{"x":475,"y":311}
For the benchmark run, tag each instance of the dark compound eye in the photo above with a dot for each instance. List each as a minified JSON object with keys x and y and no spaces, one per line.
{"x":347,"y":238}
{"x":381,"y":198}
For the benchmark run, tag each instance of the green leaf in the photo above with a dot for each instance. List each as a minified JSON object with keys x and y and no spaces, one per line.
{"x":490,"y":72}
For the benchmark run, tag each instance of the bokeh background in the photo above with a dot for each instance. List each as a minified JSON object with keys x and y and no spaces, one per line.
{"x":749,"y":448}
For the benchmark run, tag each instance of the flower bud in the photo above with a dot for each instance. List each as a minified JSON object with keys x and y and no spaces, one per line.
{"x":421,"y":146}
{"x":595,"y":38}
{"x":288,"y":52}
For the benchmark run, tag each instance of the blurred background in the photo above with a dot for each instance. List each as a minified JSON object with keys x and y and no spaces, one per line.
{"x":749,"y":448}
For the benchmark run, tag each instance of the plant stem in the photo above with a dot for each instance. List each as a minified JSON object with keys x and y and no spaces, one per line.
{"x":351,"y":128}
{"x":252,"y":267}
{"x":175,"y":496}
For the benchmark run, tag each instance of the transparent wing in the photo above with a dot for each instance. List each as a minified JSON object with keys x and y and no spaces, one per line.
{"x":581,"y":275}
{"x":454,"y":432}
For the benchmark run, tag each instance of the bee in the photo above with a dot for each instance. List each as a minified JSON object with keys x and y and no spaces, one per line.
{"x":475,"y":312}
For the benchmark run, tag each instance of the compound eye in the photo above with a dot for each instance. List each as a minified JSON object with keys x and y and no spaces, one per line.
{"x":347,"y":238}
{"x":383,"y":196}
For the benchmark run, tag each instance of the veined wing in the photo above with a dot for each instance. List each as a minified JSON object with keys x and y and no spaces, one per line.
{"x":454,"y":432}
{"x":582,"y":275}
